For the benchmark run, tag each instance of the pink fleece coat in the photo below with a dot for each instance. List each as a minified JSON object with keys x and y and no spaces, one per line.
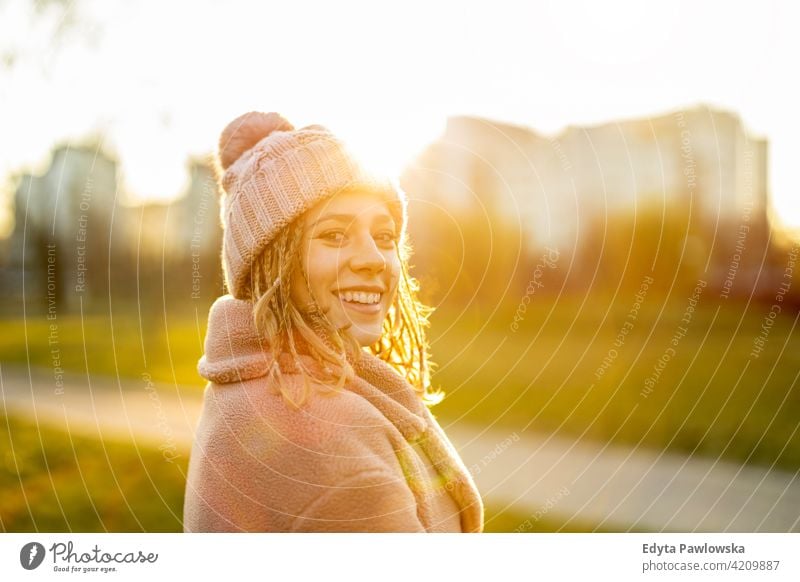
{"x":370,"y":458}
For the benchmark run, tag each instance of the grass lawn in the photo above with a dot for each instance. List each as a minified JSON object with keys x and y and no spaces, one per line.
{"x":690,"y":387}
{"x":55,"y":482}
{"x":696,"y":390}
{"x":123,"y":344}
{"x":499,"y":519}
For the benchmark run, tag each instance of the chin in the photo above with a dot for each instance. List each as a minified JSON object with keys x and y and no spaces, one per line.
{"x":366,"y":339}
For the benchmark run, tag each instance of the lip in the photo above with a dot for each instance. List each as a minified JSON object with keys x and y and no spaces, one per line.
{"x":364,"y":288}
{"x":371,"y":309}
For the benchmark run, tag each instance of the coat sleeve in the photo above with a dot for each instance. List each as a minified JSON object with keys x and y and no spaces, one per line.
{"x":372,"y":500}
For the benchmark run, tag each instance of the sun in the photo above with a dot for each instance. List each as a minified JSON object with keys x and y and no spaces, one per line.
{"x":388,"y":146}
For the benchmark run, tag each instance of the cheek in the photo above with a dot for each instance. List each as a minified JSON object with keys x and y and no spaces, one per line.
{"x":395,"y":270}
{"x":320,"y":268}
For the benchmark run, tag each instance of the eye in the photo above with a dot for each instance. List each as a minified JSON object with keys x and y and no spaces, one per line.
{"x":386,"y":237}
{"x":332,"y":236}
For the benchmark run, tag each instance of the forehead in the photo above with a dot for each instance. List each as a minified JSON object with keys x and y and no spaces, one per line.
{"x":352,"y":204}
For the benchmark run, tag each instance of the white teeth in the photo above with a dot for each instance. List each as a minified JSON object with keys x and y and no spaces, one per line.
{"x":360,"y":297}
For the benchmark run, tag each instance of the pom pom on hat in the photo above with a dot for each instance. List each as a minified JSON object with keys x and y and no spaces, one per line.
{"x":245,"y":131}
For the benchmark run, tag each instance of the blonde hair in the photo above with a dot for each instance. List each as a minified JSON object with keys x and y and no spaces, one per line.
{"x":403,"y":342}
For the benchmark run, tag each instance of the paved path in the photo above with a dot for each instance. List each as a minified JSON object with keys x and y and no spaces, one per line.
{"x":536,"y":476}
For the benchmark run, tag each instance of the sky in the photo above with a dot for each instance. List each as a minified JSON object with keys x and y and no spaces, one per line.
{"x":158,"y":81}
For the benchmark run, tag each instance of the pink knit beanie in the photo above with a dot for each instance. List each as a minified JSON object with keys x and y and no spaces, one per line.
{"x":272,"y":174}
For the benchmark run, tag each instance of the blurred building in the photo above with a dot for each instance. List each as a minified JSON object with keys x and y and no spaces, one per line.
{"x":551,"y":187}
{"x":180,"y":242}
{"x":186,"y":226}
{"x":63,"y":225}
{"x":197,"y":229}
{"x":74,"y":244}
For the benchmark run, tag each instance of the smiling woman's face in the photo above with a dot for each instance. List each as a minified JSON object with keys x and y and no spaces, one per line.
{"x":351,"y":259}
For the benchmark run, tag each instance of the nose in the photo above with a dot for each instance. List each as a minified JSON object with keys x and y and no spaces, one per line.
{"x":367,"y":256}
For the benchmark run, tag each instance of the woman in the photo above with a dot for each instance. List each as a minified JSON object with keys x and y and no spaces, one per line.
{"x":315,"y":416}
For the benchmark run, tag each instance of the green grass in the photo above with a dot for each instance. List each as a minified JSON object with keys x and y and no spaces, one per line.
{"x":56,"y":482}
{"x":711,"y":398}
{"x":122,"y":344}
{"x":499,"y":519}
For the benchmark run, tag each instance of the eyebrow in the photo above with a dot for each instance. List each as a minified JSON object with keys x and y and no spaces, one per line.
{"x":348,"y":218}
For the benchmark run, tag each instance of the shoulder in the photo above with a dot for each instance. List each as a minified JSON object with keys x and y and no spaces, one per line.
{"x":253,"y":415}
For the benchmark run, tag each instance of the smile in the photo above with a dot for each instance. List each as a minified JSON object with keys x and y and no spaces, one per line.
{"x":362,"y":303}
{"x":360,"y":297}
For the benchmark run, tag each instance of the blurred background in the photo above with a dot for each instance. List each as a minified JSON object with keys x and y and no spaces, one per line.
{"x":604,"y":209}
